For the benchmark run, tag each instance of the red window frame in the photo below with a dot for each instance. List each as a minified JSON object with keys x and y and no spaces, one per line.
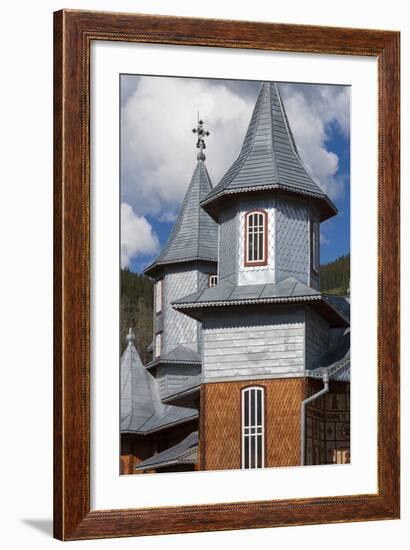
{"x":250,"y":263}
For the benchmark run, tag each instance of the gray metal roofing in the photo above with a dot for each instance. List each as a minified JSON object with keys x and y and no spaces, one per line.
{"x":269,"y":157}
{"x":227,"y":292}
{"x":342,"y":303}
{"x":180,"y":355}
{"x":141,"y":408}
{"x":185,"y":452}
{"x":193,"y":384}
{"x":335,"y":363}
{"x":287,"y":291}
{"x":195,"y":234}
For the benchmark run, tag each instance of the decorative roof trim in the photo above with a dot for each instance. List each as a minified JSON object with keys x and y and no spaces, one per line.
{"x":330,"y":371}
{"x":248,"y":301}
{"x":174,"y":462}
{"x":247,"y":189}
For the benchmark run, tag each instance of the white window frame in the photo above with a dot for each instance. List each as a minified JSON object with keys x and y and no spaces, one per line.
{"x":253,"y":229}
{"x":212,"y":280}
{"x":158,"y":296}
{"x":158,"y":344}
{"x":315,"y":246}
{"x":251,"y":432}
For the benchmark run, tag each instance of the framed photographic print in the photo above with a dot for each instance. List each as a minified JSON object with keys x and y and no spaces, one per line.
{"x":226,"y":275}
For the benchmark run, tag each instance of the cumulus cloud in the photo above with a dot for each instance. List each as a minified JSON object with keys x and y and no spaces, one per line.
{"x":137,"y":236}
{"x":158,"y":147}
{"x":314,"y":112}
{"x":158,"y":152}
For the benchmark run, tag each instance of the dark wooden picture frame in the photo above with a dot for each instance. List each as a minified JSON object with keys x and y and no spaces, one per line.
{"x":73,"y":33}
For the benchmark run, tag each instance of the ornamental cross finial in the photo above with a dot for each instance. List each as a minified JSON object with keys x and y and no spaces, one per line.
{"x":199,"y":130}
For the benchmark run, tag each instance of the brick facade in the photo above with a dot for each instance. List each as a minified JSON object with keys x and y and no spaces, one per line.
{"x":327,"y":423}
{"x":220,"y":434}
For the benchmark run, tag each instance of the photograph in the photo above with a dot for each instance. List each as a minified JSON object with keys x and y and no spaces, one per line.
{"x":234,"y":274}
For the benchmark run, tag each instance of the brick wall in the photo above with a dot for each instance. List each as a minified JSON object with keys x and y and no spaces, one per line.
{"x":220,"y":434}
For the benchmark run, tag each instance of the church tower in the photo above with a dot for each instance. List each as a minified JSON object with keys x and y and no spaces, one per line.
{"x":186,"y":264}
{"x":266,"y":325}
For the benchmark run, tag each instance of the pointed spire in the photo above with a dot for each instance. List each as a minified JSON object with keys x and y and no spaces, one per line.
{"x":269,"y":159}
{"x":195,"y":234}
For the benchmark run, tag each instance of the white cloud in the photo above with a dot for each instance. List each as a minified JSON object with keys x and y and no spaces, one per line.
{"x":137,"y":236}
{"x":312,"y":110}
{"x":158,"y":147}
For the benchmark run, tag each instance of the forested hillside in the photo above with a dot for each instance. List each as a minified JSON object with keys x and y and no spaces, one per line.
{"x":136,"y":310}
{"x":335,"y":276}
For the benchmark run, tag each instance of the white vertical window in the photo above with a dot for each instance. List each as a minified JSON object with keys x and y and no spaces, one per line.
{"x":158,"y":344}
{"x":253,"y":427}
{"x":212,"y":280}
{"x":158,"y":296}
{"x":255,"y":238}
{"x":315,"y":246}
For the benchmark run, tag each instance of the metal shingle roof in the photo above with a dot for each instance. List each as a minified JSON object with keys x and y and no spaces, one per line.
{"x":269,"y":158}
{"x":191,"y":386}
{"x":228,"y":292}
{"x":335,"y":363}
{"x":141,"y":408}
{"x":179,"y":355}
{"x":195,"y":234}
{"x":185,"y":452}
{"x":289,"y":290}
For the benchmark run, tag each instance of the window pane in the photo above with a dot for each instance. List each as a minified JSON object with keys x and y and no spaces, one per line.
{"x":259,"y":408}
{"x":253,"y":451}
{"x":260,"y":451}
{"x":252,"y":407}
{"x":246,"y":407}
{"x":246,"y":453}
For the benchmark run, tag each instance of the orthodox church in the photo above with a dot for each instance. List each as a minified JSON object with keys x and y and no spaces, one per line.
{"x":250,"y":361}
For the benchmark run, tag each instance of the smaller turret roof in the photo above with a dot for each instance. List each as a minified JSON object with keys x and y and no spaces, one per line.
{"x":141,"y":409}
{"x":195,"y":234}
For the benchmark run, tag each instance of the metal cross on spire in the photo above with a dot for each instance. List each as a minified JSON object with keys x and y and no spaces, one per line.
{"x":199,"y":130}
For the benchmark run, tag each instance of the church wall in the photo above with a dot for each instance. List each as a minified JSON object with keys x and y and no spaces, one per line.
{"x":228,"y":244}
{"x":172,"y":377}
{"x":220,"y":436}
{"x":179,"y":328}
{"x":317,"y":337}
{"x":292,"y":240}
{"x":268,"y":344}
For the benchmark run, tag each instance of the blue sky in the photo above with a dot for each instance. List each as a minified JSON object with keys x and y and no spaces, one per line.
{"x":158,"y":153}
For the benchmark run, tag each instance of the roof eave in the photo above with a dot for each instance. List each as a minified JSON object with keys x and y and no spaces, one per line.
{"x":196,"y":310}
{"x":212,"y":205}
{"x":155,"y":268}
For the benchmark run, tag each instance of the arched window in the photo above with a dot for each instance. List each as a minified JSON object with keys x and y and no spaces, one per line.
{"x":253,"y":427}
{"x":256,"y":238}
